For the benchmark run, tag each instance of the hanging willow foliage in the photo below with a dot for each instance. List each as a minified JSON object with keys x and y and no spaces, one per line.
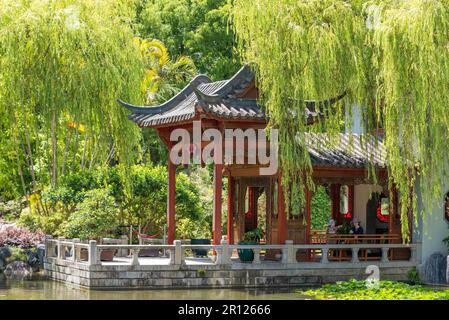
{"x":390,"y":57}
{"x":63,"y":63}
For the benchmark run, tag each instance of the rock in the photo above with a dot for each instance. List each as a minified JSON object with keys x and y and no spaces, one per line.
{"x":41,"y":253}
{"x":2,"y":264}
{"x":5,"y":252}
{"x":33,"y":260}
{"x":434,"y":269}
{"x":18,"y":270}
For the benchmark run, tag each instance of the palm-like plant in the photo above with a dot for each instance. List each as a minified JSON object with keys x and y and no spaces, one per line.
{"x":164,"y":77}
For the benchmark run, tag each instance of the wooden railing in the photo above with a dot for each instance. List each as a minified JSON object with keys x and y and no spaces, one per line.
{"x":321,"y":237}
{"x":178,"y":254}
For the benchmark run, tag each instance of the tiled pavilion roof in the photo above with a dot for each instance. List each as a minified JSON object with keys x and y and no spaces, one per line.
{"x":219,"y":99}
{"x":223,"y":100}
{"x":342,"y":152}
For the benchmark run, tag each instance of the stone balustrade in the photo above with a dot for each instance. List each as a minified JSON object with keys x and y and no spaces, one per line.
{"x":76,"y":251}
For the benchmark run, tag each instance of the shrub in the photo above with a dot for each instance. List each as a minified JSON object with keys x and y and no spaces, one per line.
{"x":10,"y":210}
{"x":17,"y":254}
{"x":145,"y":203}
{"x":13,"y":236}
{"x":49,"y":224}
{"x":321,"y":209}
{"x":93,"y":218}
{"x":139,"y":192}
{"x":413,"y":276}
{"x":190,"y":229}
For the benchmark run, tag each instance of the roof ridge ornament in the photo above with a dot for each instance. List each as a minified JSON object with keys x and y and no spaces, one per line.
{"x":170,"y":104}
{"x":207,"y":98}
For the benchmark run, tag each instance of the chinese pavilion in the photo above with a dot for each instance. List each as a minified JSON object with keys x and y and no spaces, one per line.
{"x":232,"y":104}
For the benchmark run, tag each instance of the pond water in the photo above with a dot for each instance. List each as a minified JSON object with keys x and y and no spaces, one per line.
{"x":39,"y":289}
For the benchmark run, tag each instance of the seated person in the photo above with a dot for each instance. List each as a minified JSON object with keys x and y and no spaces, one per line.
{"x":357,"y":228}
{"x":331,"y":227}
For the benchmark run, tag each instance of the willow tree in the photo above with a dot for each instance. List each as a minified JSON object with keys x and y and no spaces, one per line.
{"x":63,"y":64}
{"x":389,"y":57}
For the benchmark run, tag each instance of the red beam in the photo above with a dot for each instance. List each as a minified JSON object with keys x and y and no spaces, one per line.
{"x":218,"y":173}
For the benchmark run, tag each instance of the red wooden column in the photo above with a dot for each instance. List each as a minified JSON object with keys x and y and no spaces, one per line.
{"x":218,"y":172}
{"x":171,"y":194}
{"x":351,"y":202}
{"x":230,"y":209}
{"x":308,"y":211}
{"x":282,"y":218}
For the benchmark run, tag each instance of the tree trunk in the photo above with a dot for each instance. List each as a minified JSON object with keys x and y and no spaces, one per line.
{"x":54,"y":142}
{"x":30,"y":156}
{"x":84,"y":151}
{"x":66,"y":151}
{"x":75,"y":150}
{"x":19,"y":169}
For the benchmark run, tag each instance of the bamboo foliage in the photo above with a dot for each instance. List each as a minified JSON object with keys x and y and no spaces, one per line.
{"x":390,"y":57}
{"x":67,"y":61}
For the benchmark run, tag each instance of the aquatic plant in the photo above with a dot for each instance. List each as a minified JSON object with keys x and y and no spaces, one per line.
{"x":386,"y":290}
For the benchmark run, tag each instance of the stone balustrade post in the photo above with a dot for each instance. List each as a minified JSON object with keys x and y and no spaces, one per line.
{"x":225,"y":255}
{"x":93,"y":253}
{"x":291,"y":252}
{"x":324,"y":255}
{"x":385,"y":251}
{"x":60,"y":247}
{"x":178,"y":252}
{"x":355,"y":255}
{"x":135,"y":257}
{"x":256,"y":256}
{"x":49,"y":247}
{"x":75,"y":249}
{"x":285,"y":252}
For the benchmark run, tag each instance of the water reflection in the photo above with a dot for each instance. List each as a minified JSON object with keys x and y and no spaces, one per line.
{"x":51,"y":290}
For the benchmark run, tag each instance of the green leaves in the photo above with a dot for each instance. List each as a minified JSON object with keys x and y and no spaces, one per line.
{"x":391,"y":59}
{"x":68,"y":61}
{"x":95,"y":216}
{"x":198,"y":29}
{"x":387,"y":290}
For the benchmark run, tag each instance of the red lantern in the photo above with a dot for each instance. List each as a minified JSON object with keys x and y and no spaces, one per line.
{"x":380,"y":216}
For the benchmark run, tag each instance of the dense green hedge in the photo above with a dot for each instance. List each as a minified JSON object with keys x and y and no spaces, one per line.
{"x":321,"y":210}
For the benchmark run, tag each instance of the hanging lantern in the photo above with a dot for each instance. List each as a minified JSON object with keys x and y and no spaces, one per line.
{"x":345,"y":200}
{"x":383,"y":210}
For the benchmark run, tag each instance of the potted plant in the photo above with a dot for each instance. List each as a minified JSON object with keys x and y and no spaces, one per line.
{"x":345,"y":228}
{"x":251,"y":237}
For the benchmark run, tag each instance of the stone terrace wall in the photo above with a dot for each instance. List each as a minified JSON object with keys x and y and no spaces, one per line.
{"x":211,"y":276}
